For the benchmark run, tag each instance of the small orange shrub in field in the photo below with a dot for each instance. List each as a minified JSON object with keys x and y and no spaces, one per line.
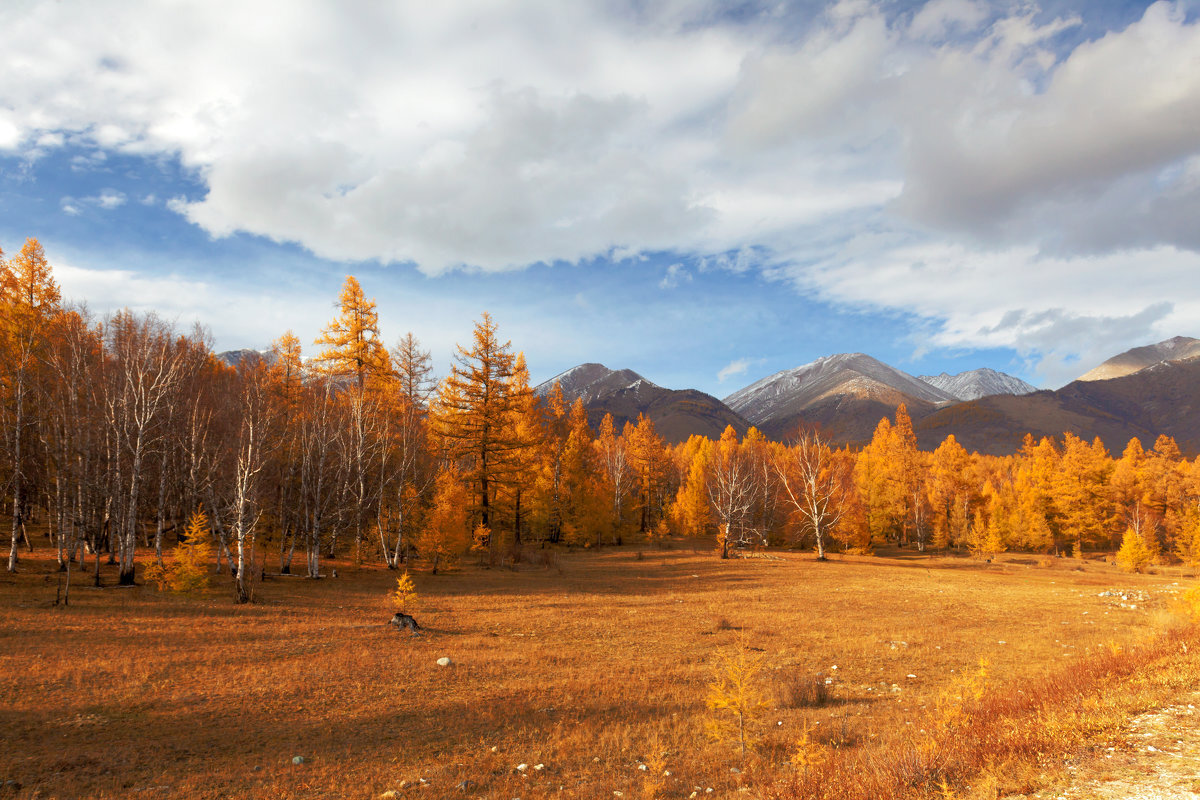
{"x":189,"y":570}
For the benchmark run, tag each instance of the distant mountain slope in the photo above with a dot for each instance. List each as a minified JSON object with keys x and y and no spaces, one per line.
{"x":978,"y":383}
{"x":1131,"y":361}
{"x":1160,"y":399}
{"x":234,"y":358}
{"x":591,"y":380}
{"x":676,"y":413}
{"x":845,"y":394}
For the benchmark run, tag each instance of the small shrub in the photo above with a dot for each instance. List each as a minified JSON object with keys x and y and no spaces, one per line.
{"x":188,"y":571}
{"x":405,"y":593}
{"x":734,"y":698}
{"x":808,"y":754}
{"x":1189,"y":604}
{"x":803,"y":691}
{"x":1134,"y":555}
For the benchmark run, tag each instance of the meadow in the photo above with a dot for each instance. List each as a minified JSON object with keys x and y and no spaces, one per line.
{"x":590,"y":670}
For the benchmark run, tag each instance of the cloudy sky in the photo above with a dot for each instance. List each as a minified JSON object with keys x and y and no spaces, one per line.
{"x":705,"y":192}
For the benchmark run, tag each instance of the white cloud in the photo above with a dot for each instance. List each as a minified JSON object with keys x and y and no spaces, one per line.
{"x":1116,"y":107}
{"x":676,"y":274}
{"x":1059,"y":312}
{"x":937,"y":18}
{"x":107,"y":200}
{"x":734,"y":368}
{"x":1032,"y":181}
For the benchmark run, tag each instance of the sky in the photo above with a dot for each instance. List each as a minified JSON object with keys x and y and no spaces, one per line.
{"x":704,"y":192}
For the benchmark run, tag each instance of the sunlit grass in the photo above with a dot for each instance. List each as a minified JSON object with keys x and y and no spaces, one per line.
{"x":592,"y":669}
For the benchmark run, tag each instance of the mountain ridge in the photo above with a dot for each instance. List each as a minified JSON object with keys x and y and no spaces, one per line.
{"x":976,"y":383}
{"x":677,"y":414}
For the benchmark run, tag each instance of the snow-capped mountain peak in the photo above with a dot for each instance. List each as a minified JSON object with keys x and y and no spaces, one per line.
{"x":592,"y":380}
{"x":791,"y":390}
{"x":976,"y":383}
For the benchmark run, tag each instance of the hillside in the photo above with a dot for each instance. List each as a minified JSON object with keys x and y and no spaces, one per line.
{"x":1131,"y":361}
{"x":845,"y":394}
{"x":676,"y":413}
{"x":1161,"y":399}
{"x":978,"y":383}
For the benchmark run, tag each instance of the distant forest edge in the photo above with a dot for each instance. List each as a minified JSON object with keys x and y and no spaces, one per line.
{"x":116,"y":431}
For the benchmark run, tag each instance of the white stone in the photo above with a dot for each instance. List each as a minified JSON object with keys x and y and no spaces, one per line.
{"x":444,"y":661}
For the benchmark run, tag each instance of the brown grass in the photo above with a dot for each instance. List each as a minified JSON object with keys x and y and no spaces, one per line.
{"x":593,"y":669}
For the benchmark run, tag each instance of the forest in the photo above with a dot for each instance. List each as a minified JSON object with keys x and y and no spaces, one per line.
{"x":117,"y":431}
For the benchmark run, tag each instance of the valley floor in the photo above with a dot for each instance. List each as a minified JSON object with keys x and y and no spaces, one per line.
{"x":592,"y":672}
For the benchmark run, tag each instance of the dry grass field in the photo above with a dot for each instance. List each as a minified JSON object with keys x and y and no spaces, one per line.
{"x":592,"y":673}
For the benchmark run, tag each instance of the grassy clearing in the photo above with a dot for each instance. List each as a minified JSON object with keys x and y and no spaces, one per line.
{"x":592,"y":669}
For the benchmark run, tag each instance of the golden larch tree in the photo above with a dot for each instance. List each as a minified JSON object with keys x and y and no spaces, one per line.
{"x":29,"y":299}
{"x":473,"y":416}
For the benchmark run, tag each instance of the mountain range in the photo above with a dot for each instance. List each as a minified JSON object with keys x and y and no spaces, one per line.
{"x":1143,"y":392}
{"x":676,"y":413}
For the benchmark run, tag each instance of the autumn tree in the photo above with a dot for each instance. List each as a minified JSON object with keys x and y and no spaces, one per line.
{"x":616,"y":471}
{"x":407,"y":471}
{"x":950,"y":492}
{"x":146,"y":367}
{"x":473,"y":415}
{"x":690,"y":511}
{"x":1081,"y":493}
{"x":188,"y":571}
{"x":447,"y":534}
{"x":647,"y":456}
{"x":812,"y":481}
{"x":1036,"y":518}
{"x":354,"y":351}
{"x":880,"y":484}
{"x":256,"y":437}
{"x":734,"y":487}
{"x":29,"y":299}
{"x":526,"y":426}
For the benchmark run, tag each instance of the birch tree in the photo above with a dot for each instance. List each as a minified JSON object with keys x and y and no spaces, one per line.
{"x":812,"y":480}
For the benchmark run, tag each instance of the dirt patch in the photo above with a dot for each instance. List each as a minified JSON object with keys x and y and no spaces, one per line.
{"x":1159,"y":759}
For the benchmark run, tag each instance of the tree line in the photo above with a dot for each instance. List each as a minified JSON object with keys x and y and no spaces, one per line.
{"x":117,"y":430}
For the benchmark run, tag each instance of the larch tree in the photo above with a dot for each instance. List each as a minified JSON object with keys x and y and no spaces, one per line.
{"x":472,"y":416}
{"x":949,"y":492}
{"x":354,"y":351}
{"x":553,"y":466}
{"x":880,"y":484}
{"x":448,"y":534}
{"x":647,"y":456}
{"x":584,"y":500}
{"x":29,"y":299}
{"x":690,"y":511}
{"x":526,"y":425}
{"x":1081,"y":493}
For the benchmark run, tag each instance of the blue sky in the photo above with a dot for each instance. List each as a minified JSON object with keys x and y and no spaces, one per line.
{"x":703,"y":192}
